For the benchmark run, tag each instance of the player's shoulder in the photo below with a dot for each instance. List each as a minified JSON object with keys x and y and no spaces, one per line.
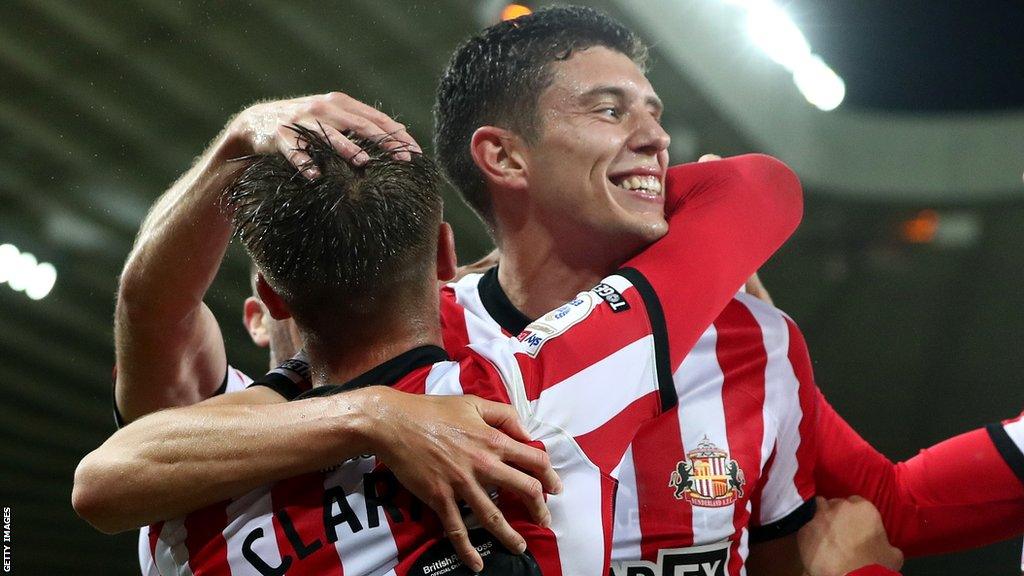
{"x":464,"y":295}
{"x":777,"y":327}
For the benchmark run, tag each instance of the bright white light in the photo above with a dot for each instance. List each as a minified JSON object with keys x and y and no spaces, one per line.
{"x":23,"y":273}
{"x":41,"y":281}
{"x":8,"y":261}
{"x":23,"y":270}
{"x":819,"y":84}
{"x":771,"y":29}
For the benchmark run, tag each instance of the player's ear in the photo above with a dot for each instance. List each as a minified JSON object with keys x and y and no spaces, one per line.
{"x":275,"y":305}
{"x":447,"y":263}
{"x":499,"y":154}
{"x":255,"y":318}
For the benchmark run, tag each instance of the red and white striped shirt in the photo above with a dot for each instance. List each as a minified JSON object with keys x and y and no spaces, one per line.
{"x":745,"y":395}
{"x":745,"y":398}
{"x":583,"y":379}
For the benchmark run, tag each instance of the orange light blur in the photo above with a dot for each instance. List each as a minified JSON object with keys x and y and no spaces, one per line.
{"x":921,"y":228}
{"x":513,"y":11}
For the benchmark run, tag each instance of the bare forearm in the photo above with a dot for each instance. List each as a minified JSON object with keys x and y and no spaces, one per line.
{"x":175,"y":461}
{"x":170,"y":351}
{"x":182,"y":241}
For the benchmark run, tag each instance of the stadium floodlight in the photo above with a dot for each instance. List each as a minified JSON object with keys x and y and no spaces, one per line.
{"x":8,"y":261}
{"x":41,"y":281}
{"x":24,"y":273}
{"x":819,"y":84}
{"x":772,"y":30}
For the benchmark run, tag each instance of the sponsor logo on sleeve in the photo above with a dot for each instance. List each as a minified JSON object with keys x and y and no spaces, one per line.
{"x":556,"y":322}
{"x":612,"y":296}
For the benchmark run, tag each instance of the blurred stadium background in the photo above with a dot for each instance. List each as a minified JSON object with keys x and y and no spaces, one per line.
{"x":906,"y":274}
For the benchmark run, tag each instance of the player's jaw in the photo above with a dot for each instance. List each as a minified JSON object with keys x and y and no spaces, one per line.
{"x":636,"y":194}
{"x":639,"y":188}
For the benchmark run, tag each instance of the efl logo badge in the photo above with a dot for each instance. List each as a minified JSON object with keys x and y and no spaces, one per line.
{"x":707,"y":477}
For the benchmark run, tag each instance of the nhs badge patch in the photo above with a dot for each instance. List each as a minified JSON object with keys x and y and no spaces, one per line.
{"x":556,"y":322}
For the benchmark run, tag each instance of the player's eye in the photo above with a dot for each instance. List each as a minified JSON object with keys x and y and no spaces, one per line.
{"x":610,"y":112}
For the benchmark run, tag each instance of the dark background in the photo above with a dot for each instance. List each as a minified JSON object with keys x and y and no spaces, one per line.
{"x":104,"y":103}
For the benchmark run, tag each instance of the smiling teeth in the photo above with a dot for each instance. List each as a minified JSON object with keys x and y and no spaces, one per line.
{"x":646,"y":183}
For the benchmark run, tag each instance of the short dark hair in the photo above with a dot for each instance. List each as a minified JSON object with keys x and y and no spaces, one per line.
{"x":344,"y":241}
{"x":496,"y":77}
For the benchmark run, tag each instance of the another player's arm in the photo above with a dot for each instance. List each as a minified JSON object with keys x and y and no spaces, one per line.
{"x":726,"y":218}
{"x":169,"y":347}
{"x":178,"y":460}
{"x":921,"y":514}
{"x":846,"y":538}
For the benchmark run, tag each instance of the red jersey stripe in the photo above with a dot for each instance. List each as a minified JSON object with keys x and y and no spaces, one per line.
{"x":800,"y":360}
{"x":454,"y":332}
{"x":207,"y":548}
{"x":657,"y":449}
{"x":299,"y":527}
{"x":603,"y":333}
{"x":742,"y":357}
{"x":606,"y":444}
{"x":154,"y":536}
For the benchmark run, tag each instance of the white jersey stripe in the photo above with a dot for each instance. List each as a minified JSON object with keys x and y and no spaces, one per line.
{"x":701,"y":414}
{"x":442,"y":381}
{"x":251,"y":512}
{"x":146,"y":561}
{"x":633,"y":363}
{"x":361,"y":550}
{"x":479,"y":327}
{"x":1015,"y":430}
{"x":573,"y":513}
{"x":782,"y":396}
{"x":171,"y":555}
{"x":744,"y":547}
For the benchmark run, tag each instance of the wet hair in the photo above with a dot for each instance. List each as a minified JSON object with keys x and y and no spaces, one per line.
{"x":496,"y":77}
{"x":345,"y":242}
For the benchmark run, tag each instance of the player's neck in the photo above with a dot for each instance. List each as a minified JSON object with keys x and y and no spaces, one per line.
{"x":358,"y":348}
{"x":539,"y":272}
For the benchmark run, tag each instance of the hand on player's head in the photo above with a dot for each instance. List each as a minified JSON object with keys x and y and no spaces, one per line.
{"x":268,"y":128}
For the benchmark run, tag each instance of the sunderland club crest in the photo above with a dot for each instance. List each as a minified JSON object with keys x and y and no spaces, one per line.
{"x":707,"y":477}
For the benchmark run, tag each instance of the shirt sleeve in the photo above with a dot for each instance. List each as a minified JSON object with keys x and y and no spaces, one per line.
{"x":921,"y":513}
{"x":726,"y":218}
{"x":586,"y":369}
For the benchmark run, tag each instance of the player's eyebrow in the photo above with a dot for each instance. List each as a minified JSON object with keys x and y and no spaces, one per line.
{"x":622,"y":95}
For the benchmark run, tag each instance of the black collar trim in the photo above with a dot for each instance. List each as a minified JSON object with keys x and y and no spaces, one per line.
{"x":497,"y":304}
{"x":386,"y":374}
